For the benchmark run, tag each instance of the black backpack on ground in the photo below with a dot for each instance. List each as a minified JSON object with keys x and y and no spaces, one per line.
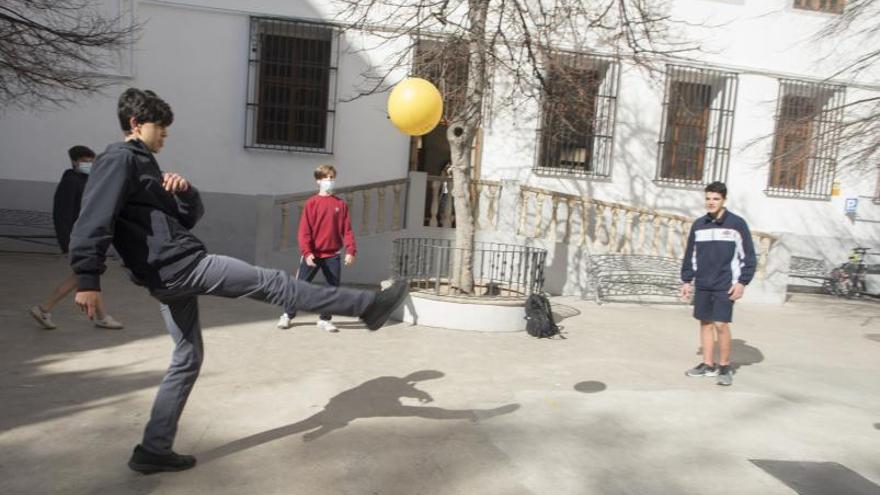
{"x":539,"y":318}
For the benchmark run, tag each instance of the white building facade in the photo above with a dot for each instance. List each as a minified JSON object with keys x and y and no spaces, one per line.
{"x":250,"y":138}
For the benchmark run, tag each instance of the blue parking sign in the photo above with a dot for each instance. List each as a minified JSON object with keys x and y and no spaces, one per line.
{"x":852,"y":204}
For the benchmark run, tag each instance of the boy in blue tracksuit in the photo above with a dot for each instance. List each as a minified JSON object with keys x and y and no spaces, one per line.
{"x":719,"y":262}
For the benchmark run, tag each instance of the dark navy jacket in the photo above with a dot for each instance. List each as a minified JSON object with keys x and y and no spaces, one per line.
{"x":125,"y":203}
{"x":719,"y":253}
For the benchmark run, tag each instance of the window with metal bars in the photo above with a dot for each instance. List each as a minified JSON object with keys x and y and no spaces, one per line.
{"x":877,"y":190}
{"x":804,"y":156}
{"x":291,"y":85}
{"x":577,"y":118}
{"x":697,"y":126}
{"x":830,"y":6}
{"x":444,"y":62}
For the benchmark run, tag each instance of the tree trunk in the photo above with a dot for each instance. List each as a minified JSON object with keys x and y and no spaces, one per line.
{"x":462,"y":273}
{"x":461,"y":135}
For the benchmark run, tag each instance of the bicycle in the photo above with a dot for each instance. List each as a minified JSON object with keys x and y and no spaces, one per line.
{"x":848,"y":279}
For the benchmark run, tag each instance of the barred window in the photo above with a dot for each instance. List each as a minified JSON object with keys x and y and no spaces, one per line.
{"x":830,"y":6}
{"x":291,"y":85}
{"x":697,"y":126}
{"x":804,"y":157}
{"x":877,"y":189}
{"x":444,"y":62}
{"x":578,"y":110}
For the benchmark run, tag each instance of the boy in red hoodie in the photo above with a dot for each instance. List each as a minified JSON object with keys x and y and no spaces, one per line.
{"x":324,"y":228}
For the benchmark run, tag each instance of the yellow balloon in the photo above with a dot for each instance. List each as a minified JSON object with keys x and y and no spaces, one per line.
{"x":415,"y":106}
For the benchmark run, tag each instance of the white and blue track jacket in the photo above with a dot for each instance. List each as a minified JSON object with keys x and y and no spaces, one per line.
{"x":719,"y":253}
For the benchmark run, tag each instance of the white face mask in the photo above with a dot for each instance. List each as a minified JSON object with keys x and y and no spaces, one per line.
{"x":85,"y":167}
{"x":326,"y":185}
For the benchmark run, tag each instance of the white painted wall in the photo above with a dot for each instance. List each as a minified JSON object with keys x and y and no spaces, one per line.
{"x":767,"y":35}
{"x":196,"y":59}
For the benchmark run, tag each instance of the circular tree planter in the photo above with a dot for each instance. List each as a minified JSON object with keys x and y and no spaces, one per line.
{"x":504,"y":276}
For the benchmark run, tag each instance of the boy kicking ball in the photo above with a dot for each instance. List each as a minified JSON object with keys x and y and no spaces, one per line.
{"x":147,"y":215}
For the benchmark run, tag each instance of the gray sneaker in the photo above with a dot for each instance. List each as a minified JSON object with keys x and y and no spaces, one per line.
{"x":725,"y":375}
{"x":109,"y":323}
{"x":702,"y":369}
{"x":44,"y":318}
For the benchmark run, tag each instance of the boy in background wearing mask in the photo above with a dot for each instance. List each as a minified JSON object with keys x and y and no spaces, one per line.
{"x":324,"y":228}
{"x":65,"y":211}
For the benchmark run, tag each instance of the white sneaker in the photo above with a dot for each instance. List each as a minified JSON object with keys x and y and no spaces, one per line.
{"x":283,"y":322}
{"x":327,"y":326}
{"x":44,"y":318}
{"x":108,"y":322}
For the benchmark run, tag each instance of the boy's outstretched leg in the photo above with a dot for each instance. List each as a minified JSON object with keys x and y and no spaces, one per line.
{"x":229,"y":277}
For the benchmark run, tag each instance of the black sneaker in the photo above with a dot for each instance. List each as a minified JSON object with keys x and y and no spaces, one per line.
{"x":702,"y":369}
{"x":386,"y":302}
{"x":146,"y":462}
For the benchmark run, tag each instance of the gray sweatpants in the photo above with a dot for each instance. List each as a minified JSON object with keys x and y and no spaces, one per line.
{"x":225,"y":277}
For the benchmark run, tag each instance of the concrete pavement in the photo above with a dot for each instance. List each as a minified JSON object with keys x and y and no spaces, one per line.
{"x":417,"y":410}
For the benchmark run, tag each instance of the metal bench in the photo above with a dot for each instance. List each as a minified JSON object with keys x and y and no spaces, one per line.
{"x":636,"y":278}
{"x":28,"y":231}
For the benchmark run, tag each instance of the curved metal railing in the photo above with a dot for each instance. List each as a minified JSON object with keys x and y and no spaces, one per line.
{"x":500,"y":270}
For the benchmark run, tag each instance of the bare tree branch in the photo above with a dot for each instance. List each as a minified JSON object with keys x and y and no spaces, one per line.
{"x":52,"y":50}
{"x":859,"y":133}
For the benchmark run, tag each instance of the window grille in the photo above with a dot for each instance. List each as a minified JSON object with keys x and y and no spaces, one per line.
{"x":578,"y":111}
{"x":291,"y":85}
{"x":804,"y":157}
{"x":444,"y":62}
{"x":830,"y":6}
{"x":877,"y":189}
{"x":697,"y":126}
